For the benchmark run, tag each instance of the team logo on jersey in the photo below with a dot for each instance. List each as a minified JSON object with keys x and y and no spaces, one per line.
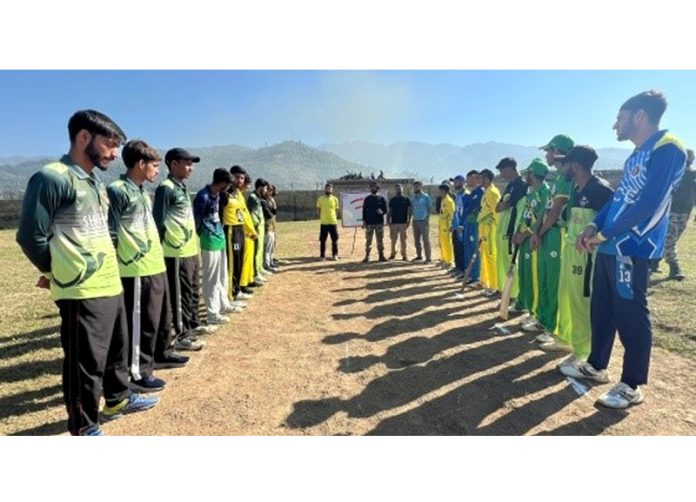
{"x":526,"y":256}
{"x":583,"y":202}
{"x":554,"y":254}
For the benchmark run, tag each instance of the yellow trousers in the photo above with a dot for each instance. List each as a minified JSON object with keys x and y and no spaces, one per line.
{"x":446,"y":248}
{"x":487,"y":250}
{"x":247,"y":263}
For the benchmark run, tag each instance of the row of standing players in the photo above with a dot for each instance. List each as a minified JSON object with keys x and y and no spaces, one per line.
{"x":582,"y":251}
{"x":126,"y":273}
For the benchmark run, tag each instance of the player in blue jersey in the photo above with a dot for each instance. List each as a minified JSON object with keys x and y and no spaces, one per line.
{"x":628,"y":232}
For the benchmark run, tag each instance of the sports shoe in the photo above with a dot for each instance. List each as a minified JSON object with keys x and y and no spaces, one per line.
{"x":621,"y":396}
{"x":133,"y":404}
{"x":266,"y":271}
{"x":237,"y":304}
{"x":512,"y":309}
{"x":545,"y":337}
{"x":216,"y":319}
{"x":187,"y":343}
{"x":171,"y":361}
{"x":147,"y":384}
{"x":205,"y":330}
{"x":247,"y":291}
{"x":555,"y":345}
{"x":230,"y":309}
{"x":391,"y":257}
{"x":254,"y":284}
{"x":382,"y":258}
{"x":532,"y":325}
{"x":94,"y":430}
{"x":489,"y":292}
{"x":428,"y":260}
{"x":585,"y":370}
{"x":260,"y":279}
{"x":571,"y":360}
{"x":242,"y":296}
{"x":417,"y":258}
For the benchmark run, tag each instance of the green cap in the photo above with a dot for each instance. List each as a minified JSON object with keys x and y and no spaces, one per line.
{"x":538,"y":167}
{"x":561,"y":143}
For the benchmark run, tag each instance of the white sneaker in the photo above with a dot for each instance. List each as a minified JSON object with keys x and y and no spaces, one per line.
{"x":230,"y":309}
{"x":488,"y":292}
{"x":556,"y":345}
{"x":218,"y":319}
{"x":585,"y":370}
{"x":532,"y":325}
{"x":621,"y":396}
{"x":260,"y":279}
{"x":239,"y":304}
{"x":242,"y":296}
{"x":571,"y":360}
{"x":545,"y":337}
{"x":205,"y":330}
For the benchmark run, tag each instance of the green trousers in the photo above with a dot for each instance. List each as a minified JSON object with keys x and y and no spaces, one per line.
{"x":574,"y":288}
{"x":525,"y":268}
{"x":504,"y":254}
{"x":549,"y":270}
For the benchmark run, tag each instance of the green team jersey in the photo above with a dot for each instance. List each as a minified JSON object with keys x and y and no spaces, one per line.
{"x":561,"y":188}
{"x":174,"y":219}
{"x":133,"y":230}
{"x":255,"y":209}
{"x":534,"y":207}
{"x":63,"y":230}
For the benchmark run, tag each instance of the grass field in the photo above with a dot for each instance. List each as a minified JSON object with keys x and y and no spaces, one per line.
{"x":30,"y":353}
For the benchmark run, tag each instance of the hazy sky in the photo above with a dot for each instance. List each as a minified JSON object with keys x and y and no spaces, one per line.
{"x":254,"y":108}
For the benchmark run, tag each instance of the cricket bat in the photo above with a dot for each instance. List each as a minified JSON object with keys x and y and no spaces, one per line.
{"x":507,"y":289}
{"x":470,"y":266}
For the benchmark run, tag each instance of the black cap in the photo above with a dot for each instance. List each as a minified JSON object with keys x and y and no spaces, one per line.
{"x":179,"y":154}
{"x":584,"y":155}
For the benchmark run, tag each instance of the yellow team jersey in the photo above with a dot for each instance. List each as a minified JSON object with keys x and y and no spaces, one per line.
{"x":328,"y":207}
{"x":487,"y":215}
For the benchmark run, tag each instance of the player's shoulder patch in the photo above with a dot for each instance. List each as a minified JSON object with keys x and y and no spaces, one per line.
{"x":670,"y":139}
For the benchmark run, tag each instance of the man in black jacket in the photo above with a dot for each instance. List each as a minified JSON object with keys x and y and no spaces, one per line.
{"x":373,"y":211}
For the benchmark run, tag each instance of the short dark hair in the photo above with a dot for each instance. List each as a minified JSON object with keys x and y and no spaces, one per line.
{"x":260,"y":182}
{"x":328,"y":185}
{"x":652,"y":102}
{"x":136,"y":150}
{"x":222,"y":175}
{"x":95,"y":123}
{"x":237,"y":170}
{"x":418,"y":182}
{"x":507,"y":162}
{"x":444,"y":187}
{"x":471,"y":173}
{"x":487,"y":173}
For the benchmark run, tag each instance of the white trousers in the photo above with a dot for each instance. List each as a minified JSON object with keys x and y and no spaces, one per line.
{"x":215,"y":281}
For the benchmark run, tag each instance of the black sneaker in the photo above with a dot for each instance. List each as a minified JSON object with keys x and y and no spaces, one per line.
{"x":418,"y":258}
{"x":147,"y":384}
{"x":246,"y":290}
{"x":171,"y":361}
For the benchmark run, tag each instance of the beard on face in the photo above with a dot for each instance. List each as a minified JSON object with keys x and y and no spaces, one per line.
{"x":93,"y":155}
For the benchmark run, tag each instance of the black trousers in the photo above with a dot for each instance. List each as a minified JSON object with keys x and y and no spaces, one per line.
{"x":182,"y":275}
{"x":144,"y":298}
{"x":324,"y":232}
{"x":93,"y":334}
{"x":164,"y":345}
{"x":237,"y":252}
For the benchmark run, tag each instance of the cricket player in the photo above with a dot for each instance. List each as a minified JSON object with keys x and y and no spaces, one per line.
{"x":471,"y":213}
{"x":445,"y":226}
{"x":628,"y":232}
{"x":487,"y":221}
{"x":460,"y":198}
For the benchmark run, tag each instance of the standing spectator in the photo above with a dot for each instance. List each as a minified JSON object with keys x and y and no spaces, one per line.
{"x":398,"y":219}
{"x":422,"y":205}
{"x":630,"y":231}
{"x":373,"y":212}
{"x":63,"y":230}
{"x":682,"y":204}
{"x":173,"y":215}
{"x":487,"y":232}
{"x":445,"y":226}
{"x":140,"y":261}
{"x":327,"y":210}
{"x":206,"y":213}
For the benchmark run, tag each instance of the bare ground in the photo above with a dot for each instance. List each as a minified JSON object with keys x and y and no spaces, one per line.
{"x":343,"y":348}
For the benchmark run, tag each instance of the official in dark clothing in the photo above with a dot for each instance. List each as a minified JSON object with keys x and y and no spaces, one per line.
{"x":374,"y":210}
